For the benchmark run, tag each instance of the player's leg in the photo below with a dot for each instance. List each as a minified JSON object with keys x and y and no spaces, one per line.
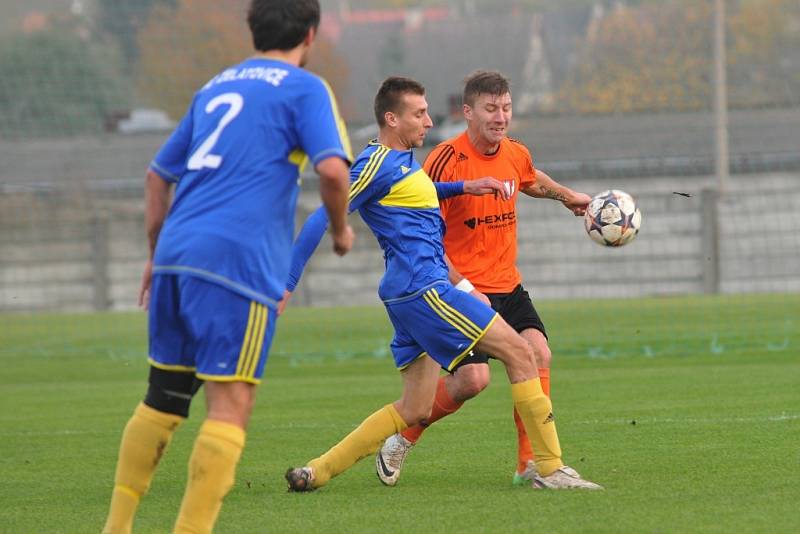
{"x":419,"y":387}
{"x":453,"y":390}
{"x":448,"y":330}
{"x":533,"y":406}
{"x":518,"y":311}
{"x":530,"y":402}
{"x":216,"y":453}
{"x":144,"y":441}
{"x":526,"y":459}
{"x":166,"y":405}
{"x":232,"y":337}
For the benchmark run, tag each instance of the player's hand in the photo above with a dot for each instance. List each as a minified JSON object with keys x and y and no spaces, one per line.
{"x":144,"y":290}
{"x":481,"y":297}
{"x":578,"y":204}
{"x":287,"y":295}
{"x":343,"y":241}
{"x":485,"y":186}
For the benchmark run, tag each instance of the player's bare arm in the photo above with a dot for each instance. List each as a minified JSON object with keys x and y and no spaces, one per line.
{"x":334,"y":175}
{"x":546,"y":187}
{"x":157,"y":199}
{"x":460,"y":282}
{"x":485,"y":186}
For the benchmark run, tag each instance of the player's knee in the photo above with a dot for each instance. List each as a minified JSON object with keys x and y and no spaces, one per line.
{"x":543,"y":355}
{"x":540,"y":347}
{"x":472,"y":379}
{"x":521,"y":354}
{"x":171,"y":391}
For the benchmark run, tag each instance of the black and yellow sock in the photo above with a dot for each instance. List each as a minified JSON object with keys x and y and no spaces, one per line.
{"x":536,"y":412}
{"x":144,"y":441}
{"x":361,"y":442}
{"x":212,"y":469}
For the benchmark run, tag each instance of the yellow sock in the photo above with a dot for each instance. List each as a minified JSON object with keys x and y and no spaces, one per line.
{"x":536,"y":412}
{"x":361,"y":442}
{"x":212,"y":469}
{"x":144,"y":440}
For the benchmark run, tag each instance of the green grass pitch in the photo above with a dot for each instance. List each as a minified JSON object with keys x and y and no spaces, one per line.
{"x":686,"y":409}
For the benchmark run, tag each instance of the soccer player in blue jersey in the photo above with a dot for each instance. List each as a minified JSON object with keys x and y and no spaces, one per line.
{"x":436,"y":325}
{"x":220,"y":257}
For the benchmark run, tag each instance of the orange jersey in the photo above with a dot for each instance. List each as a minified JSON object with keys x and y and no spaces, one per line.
{"x":481,"y":236}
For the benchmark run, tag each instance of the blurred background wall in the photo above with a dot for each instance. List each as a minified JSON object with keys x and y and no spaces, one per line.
{"x":607,"y":94}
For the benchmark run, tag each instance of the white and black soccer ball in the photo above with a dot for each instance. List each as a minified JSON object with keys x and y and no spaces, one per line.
{"x":612,"y":218}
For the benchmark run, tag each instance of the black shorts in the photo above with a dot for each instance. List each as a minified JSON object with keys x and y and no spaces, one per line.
{"x":516,"y":308}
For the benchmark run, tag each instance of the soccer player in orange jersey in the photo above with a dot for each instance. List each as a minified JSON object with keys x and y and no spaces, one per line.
{"x":481,"y":247}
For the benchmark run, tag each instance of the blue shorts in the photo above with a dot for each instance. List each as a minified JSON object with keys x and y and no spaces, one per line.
{"x":202,"y":327}
{"x":442,"y":322}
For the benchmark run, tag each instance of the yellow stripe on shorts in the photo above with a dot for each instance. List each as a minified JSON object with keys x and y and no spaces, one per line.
{"x":261,"y":325}
{"x":458,"y":314}
{"x":251,"y":338}
{"x":446,"y":312}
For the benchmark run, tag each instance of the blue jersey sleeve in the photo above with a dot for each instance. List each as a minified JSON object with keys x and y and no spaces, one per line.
{"x":306,"y":243}
{"x":366,"y":182}
{"x":320,"y":129}
{"x":170,"y":162}
{"x":446,"y":190}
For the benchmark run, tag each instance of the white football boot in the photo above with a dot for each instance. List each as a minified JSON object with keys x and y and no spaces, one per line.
{"x":390,"y":458}
{"x":564,"y":477}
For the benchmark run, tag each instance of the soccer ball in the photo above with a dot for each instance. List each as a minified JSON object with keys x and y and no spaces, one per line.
{"x":612,"y":218}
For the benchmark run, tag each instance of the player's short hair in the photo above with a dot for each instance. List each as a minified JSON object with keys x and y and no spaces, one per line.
{"x":484,"y":82}
{"x":281,"y":24}
{"x":390,"y":95}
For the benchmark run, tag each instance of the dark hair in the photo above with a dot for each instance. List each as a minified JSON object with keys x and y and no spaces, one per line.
{"x":482,"y":82}
{"x":281,"y":24}
{"x":390,"y":94}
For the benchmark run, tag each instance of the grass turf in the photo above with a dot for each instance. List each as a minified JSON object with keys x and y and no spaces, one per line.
{"x":686,"y":409}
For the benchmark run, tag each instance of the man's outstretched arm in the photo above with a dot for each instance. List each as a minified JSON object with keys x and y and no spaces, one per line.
{"x":546,"y":187}
{"x":305,"y":244}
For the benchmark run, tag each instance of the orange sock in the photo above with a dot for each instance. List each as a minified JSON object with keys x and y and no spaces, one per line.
{"x":524,"y":449}
{"x":544,"y":378}
{"x":443,"y":405}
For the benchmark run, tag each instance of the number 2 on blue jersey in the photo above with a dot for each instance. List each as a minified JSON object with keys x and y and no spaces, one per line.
{"x":202,"y":157}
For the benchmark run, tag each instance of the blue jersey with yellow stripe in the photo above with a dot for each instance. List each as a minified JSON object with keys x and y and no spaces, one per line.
{"x":400,"y":204}
{"x":236,"y":158}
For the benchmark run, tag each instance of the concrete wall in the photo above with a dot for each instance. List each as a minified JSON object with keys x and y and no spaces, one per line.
{"x":85,"y":250}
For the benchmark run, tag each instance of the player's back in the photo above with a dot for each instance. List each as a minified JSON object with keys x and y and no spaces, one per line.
{"x":236,"y":158}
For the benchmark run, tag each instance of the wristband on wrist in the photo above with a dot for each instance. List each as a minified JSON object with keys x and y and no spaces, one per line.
{"x":465,"y":286}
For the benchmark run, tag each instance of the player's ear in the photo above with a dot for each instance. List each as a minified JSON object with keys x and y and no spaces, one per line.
{"x":310,"y":36}
{"x":467,"y":111}
{"x":390,"y":119}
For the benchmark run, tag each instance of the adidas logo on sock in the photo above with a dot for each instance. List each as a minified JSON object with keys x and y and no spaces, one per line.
{"x":549,"y":419}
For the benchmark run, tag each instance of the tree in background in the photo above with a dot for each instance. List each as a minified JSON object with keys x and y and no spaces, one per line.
{"x":764,"y":54}
{"x":653,"y":57}
{"x":121,"y":21}
{"x":182,"y":48}
{"x":658,"y":57}
{"x":55,"y":83}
